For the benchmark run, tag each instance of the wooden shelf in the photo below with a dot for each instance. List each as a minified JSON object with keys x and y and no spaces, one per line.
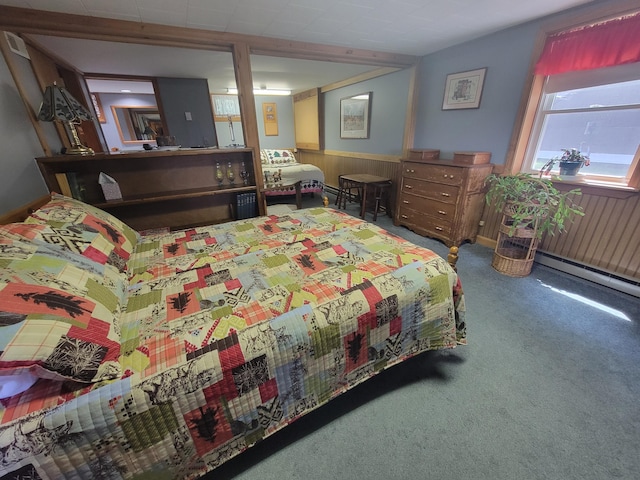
{"x":173,"y":195}
{"x":161,"y":188}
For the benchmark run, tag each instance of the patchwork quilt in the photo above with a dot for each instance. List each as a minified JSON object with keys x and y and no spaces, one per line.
{"x":205,"y":340}
{"x":280,"y":168}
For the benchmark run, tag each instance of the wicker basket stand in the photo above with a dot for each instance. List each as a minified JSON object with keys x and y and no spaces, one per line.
{"x":516,"y":246}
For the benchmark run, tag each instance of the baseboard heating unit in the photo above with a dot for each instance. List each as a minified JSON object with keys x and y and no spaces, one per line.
{"x":615,"y":281}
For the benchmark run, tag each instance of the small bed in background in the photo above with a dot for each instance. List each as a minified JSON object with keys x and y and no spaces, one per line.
{"x":166,"y":355}
{"x":280,"y":167}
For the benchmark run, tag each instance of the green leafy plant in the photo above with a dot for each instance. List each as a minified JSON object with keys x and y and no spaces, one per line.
{"x":569,"y":155}
{"x":532,"y":202}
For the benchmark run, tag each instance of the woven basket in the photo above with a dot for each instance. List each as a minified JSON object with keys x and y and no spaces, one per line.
{"x":506,"y":262}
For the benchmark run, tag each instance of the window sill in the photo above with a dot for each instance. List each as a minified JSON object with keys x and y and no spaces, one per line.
{"x":594,"y":187}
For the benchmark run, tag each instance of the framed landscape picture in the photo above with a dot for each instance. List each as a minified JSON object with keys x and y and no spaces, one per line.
{"x":354,"y":116}
{"x":464,"y":89}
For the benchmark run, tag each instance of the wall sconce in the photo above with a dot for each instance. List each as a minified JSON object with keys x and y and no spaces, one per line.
{"x":59,"y":104}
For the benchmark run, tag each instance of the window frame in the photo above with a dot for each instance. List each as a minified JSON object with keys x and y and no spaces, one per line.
{"x":533,"y":95}
{"x":544,"y":110}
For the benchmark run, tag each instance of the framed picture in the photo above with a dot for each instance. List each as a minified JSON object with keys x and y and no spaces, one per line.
{"x":270,"y":118}
{"x":463,"y":90}
{"x":354,"y":116}
{"x":97,"y":106}
{"x":226,"y":108}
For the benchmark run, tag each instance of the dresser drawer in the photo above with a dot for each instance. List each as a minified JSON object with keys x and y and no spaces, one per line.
{"x":447,"y":174}
{"x":427,"y":206}
{"x":437,"y":226}
{"x":437,"y":191}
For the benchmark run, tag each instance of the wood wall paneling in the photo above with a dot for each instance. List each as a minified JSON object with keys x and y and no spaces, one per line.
{"x":606,"y":237}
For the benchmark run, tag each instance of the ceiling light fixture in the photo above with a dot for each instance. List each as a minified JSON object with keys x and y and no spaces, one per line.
{"x":261,"y":91}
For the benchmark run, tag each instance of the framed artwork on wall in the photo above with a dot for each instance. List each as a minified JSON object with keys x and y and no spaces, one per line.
{"x":463,"y":90}
{"x":270,"y":118}
{"x":355,"y":114}
{"x":97,"y":106}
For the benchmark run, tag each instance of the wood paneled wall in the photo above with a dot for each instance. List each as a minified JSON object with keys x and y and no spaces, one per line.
{"x":606,"y":238}
{"x":342,"y":163}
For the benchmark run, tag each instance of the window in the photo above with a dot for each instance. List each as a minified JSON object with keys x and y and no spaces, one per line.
{"x":594,"y":111}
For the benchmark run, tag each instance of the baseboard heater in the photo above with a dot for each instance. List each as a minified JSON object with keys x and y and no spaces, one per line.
{"x":601,"y":277}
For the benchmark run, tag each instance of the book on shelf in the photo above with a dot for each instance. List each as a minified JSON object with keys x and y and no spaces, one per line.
{"x":245,"y":205}
{"x":63,"y":183}
{"x":70,"y":185}
{"x":77,"y":187}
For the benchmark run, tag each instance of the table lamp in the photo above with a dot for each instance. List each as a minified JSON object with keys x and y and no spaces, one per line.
{"x":59,"y":104}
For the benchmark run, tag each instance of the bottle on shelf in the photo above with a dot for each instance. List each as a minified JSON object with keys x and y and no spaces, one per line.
{"x":244,"y":174}
{"x":219,"y":174}
{"x":230,"y":174}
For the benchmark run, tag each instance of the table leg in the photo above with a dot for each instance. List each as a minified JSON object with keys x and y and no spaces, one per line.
{"x":363,"y":205}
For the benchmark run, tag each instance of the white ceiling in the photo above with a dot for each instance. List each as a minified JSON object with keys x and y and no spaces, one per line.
{"x":415,"y":27}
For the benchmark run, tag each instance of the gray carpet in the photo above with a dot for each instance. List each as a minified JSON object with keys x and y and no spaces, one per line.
{"x":548,"y":388}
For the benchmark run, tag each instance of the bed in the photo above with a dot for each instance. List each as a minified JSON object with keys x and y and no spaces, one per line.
{"x":280,"y":168}
{"x":164,"y":356}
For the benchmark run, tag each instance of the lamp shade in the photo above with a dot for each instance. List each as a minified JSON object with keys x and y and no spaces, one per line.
{"x":59,"y":104}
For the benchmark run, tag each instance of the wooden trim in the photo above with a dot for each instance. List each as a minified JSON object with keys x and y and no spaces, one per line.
{"x":634,"y":180}
{"x":21,"y":213}
{"x":246,"y":99}
{"x":25,"y":20}
{"x":533,"y":87}
{"x":9,"y":60}
{"x":359,"y":78}
{"x":486,"y":242}
{"x":367,"y":156}
{"x":410,"y":117}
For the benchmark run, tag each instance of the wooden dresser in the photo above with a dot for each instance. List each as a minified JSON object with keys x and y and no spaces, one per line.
{"x":441,"y":199}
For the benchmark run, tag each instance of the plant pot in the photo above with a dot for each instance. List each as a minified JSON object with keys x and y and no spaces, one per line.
{"x":570,"y":168}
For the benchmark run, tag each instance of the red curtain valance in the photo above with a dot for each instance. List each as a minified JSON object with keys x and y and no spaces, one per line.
{"x":602,"y":45}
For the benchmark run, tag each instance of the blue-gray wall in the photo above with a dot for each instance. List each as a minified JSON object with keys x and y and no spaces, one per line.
{"x":506,"y":55}
{"x":387,"y":115}
{"x":20,"y":179}
{"x":286,"y":134}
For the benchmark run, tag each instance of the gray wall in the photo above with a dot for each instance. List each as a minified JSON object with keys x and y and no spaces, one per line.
{"x":506,"y":55}
{"x":20,"y":179}
{"x":286,"y":134}
{"x":180,"y":95}
{"x":388,"y":111}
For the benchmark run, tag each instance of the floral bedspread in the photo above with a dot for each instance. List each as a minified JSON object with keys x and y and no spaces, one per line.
{"x":229,"y":333}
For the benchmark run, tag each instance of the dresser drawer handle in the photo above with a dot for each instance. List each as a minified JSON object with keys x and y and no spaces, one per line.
{"x":448,"y":176}
{"x":442,"y":212}
{"x":409,"y":187}
{"x":444,"y":194}
{"x":440,"y":229}
{"x":410,"y":170}
{"x":405,"y":201}
{"x":404,"y":216}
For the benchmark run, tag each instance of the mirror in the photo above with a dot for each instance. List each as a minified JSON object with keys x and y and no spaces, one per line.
{"x":137,"y":124}
{"x":118,"y":60}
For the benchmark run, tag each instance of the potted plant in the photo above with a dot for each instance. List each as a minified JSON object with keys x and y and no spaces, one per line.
{"x":530,"y":207}
{"x":571,"y":161}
